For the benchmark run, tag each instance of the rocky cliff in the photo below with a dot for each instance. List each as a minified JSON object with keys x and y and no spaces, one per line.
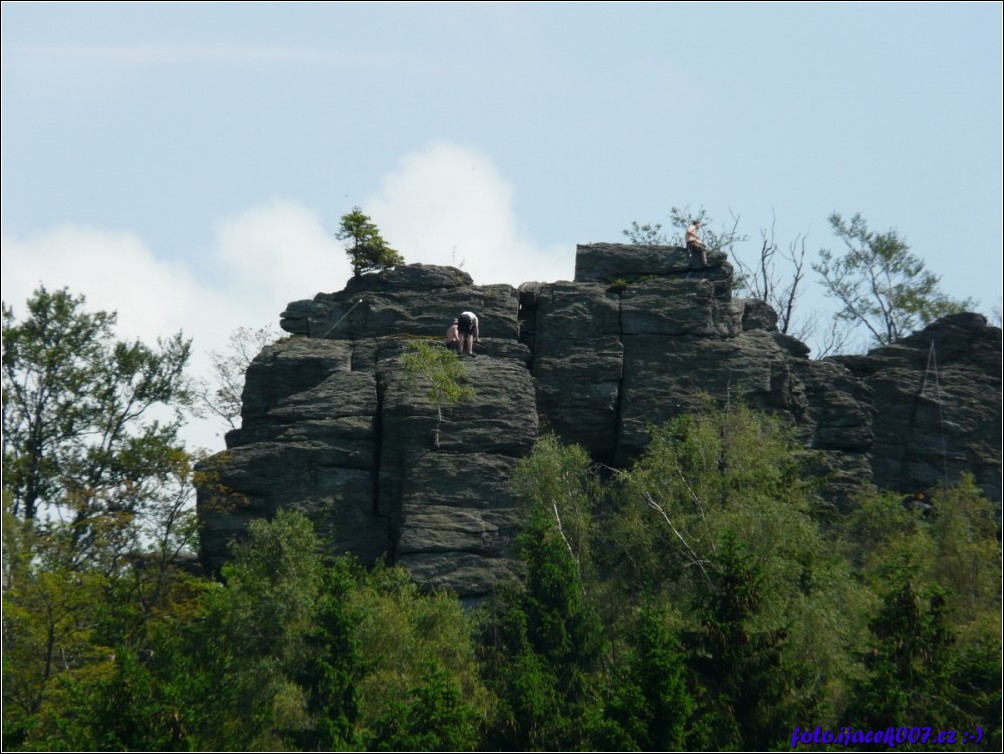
{"x":333,"y":427}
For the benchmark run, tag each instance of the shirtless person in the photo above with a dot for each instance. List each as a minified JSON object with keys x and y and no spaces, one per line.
{"x":694,"y":244}
{"x":453,"y":337}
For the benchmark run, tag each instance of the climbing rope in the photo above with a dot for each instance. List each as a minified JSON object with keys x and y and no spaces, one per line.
{"x":328,"y":332}
{"x":932,"y":369}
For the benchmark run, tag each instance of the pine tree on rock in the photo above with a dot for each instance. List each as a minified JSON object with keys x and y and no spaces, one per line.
{"x":367,"y":249}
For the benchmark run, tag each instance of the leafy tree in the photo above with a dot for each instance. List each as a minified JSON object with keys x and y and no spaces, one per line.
{"x":51,"y":623}
{"x":649,"y":701}
{"x":737,"y":666}
{"x":367,"y":249}
{"x":435,"y":717}
{"x":223,"y":395}
{"x":652,"y":233}
{"x":880,"y":284}
{"x":968,"y":560}
{"x":705,"y":480}
{"x":701,"y":476}
{"x":544,"y":640}
{"x":560,"y":492}
{"x":976,"y":688}
{"x":295,"y":653}
{"x":256,"y":633}
{"x":646,"y":234}
{"x":908,"y":664}
{"x":84,"y":456}
{"x":98,"y":515}
{"x":419,"y":686}
{"x":933,"y":648}
{"x":80,"y":650}
{"x":445,"y":373}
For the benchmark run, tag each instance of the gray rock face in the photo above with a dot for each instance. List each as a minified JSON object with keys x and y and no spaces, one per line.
{"x":608,"y":262}
{"x":333,"y":426}
{"x":412,"y":300}
{"x":936,"y":405}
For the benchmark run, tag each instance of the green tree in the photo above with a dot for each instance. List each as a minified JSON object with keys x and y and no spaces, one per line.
{"x":367,"y":249}
{"x":256,"y":633}
{"x":331,"y":676}
{"x":933,"y":647}
{"x":967,"y":563}
{"x":219,"y":669}
{"x":445,"y":373}
{"x":743,"y":689}
{"x":419,"y":687}
{"x":909,"y":663}
{"x":294,"y":653}
{"x":879,"y":284}
{"x":544,"y":640}
{"x":84,"y":456}
{"x":701,"y":476}
{"x":222,"y":395}
{"x":724,"y":240}
{"x":82,"y":648}
{"x":98,"y":511}
{"x":649,"y":701}
{"x":705,"y":480}
{"x":51,"y":642}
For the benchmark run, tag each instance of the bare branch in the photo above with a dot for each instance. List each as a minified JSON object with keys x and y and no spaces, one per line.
{"x":695,"y":559}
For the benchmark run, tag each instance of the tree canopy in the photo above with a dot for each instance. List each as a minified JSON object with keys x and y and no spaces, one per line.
{"x":697,"y":600}
{"x":223,"y":395}
{"x":880,"y":284}
{"x":90,"y":424}
{"x":701,"y":598}
{"x":367,"y":249}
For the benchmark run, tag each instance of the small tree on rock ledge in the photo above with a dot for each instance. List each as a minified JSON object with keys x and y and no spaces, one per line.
{"x":367,"y":249}
{"x":445,"y":373}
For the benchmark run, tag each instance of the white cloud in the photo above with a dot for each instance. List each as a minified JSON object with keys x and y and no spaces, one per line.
{"x":444,"y":205}
{"x":448,"y":204}
{"x":278,"y":252}
{"x":115,"y":270}
{"x":266,"y":257}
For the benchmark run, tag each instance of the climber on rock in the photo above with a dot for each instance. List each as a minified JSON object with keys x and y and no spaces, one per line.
{"x":453,"y":337}
{"x":695,"y":245}
{"x":467,"y":323}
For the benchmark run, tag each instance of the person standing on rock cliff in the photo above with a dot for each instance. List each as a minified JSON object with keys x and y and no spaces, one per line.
{"x":695,"y":245}
{"x":469,"y":332}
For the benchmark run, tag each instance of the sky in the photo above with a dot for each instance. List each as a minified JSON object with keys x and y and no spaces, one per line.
{"x":187,"y":164}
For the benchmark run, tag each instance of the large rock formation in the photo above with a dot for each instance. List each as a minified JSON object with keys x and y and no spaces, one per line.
{"x":334,"y":427}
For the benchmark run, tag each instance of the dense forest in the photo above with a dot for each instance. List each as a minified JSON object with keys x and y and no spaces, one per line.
{"x":702,"y":599}
{"x":707,"y":597}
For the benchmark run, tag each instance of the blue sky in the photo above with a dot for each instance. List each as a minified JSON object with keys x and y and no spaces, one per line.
{"x":187,"y":164}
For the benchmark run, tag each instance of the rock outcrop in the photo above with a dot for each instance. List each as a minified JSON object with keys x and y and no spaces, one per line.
{"x":334,"y":427}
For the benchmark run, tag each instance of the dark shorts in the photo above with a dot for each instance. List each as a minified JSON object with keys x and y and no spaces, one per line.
{"x":466,"y":327}
{"x":698,"y":254}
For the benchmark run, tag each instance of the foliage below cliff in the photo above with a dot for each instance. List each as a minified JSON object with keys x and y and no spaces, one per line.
{"x":700,"y":599}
